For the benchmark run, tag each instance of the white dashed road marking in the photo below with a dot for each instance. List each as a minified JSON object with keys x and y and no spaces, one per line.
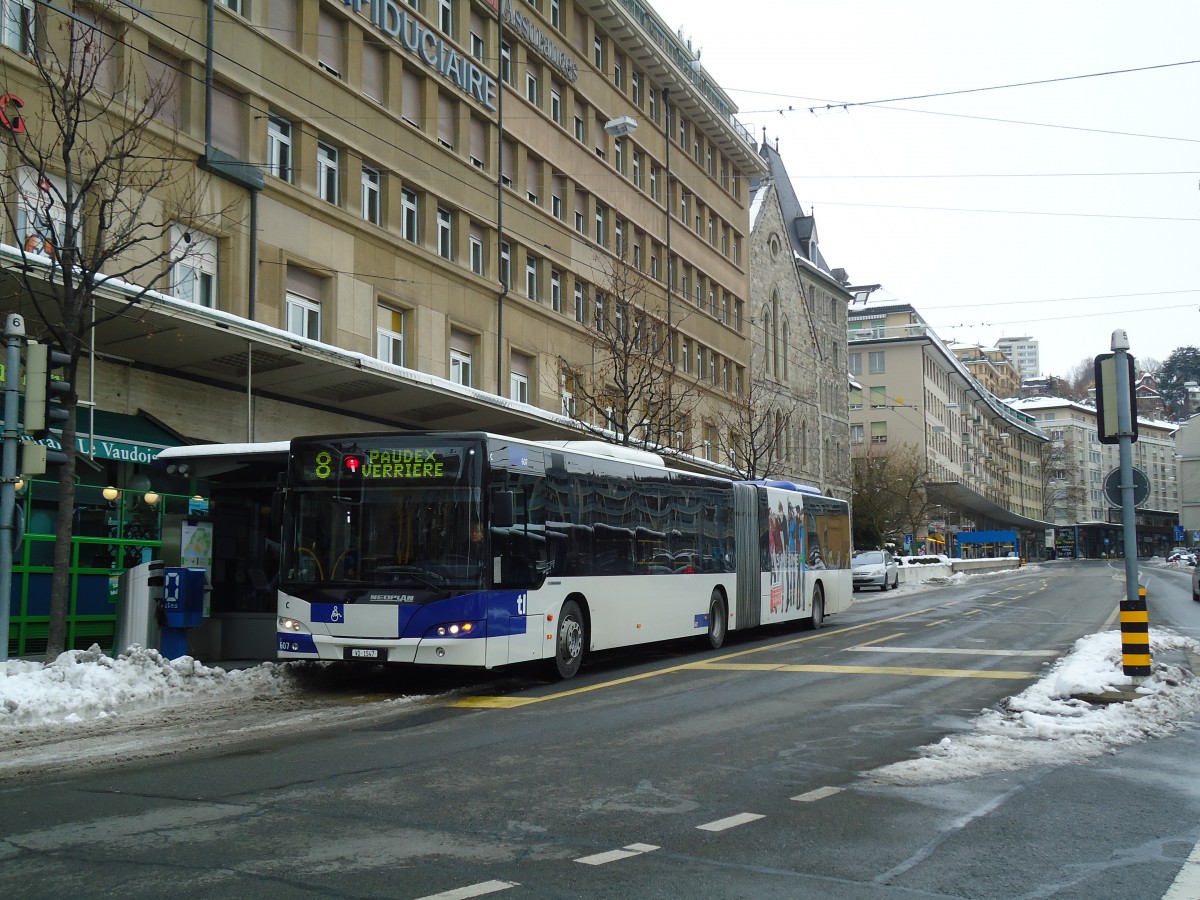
{"x":818,"y":794}
{"x":600,"y":859}
{"x":474,"y":890}
{"x":731,"y":822}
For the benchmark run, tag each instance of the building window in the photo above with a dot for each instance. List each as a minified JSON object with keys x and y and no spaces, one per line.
{"x":654,"y":181}
{"x":601,"y":225}
{"x":279,"y":148}
{"x":876,"y":363}
{"x":303,"y":316}
{"x":567,"y":394}
{"x":460,"y":367}
{"x":652,"y":105}
{"x":331,"y":44}
{"x":193,"y":267}
{"x":598,"y":52}
{"x":878,"y":398}
{"x":636,"y":87}
{"x":532,"y":277}
{"x":855,"y":362}
{"x":579,"y":129}
{"x":580,"y":303}
{"x":476,"y":242}
{"x":506,"y":70}
{"x":856,"y":434}
{"x":505,"y":264}
{"x":555,"y":290}
{"x":389,"y":336}
{"x":371,"y":207}
{"x":618,"y":77}
{"x":446,"y":17}
{"x":556,"y":14}
{"x":556,"y":106}
{"x":879,"y":432}
{"x":445,"y":233}
{"x":477,"y":49}
{"x":327,"y":173}
{"x":518,"y":387}
{"x":531,"y":85}
{"x":41,"y":214}
{"x":408,"y":215}
{"x":16,"y":25}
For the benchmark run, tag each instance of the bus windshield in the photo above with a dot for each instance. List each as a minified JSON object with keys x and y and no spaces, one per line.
{"x":425,"y":534}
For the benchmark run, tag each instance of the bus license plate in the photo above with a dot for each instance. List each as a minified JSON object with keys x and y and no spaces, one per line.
{"x":365,"y":653}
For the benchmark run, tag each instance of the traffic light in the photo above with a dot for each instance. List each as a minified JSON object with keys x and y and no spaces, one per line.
{"x":44,"y":394}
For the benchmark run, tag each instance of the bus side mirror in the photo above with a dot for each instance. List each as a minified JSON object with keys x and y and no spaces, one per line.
{"x":276,"y":521}
{"x":502,"y":509}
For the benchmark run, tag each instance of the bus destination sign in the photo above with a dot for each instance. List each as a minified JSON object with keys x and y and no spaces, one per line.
{"x":382,"y":464}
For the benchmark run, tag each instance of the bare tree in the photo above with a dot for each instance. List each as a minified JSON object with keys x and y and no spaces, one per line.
{"x":756,"y":425}
{"x":889,"y":493}
{"x":1058,"y":469}
{"x":95,"y":194}
{"x":632,"y":393}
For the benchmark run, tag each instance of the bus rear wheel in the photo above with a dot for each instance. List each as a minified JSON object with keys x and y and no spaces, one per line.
{"x":818,"y":608}
{"x":568,"y":641}
{"x":718,"y":619}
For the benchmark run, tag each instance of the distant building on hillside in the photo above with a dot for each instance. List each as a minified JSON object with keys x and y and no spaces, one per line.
{"x":1022,"y":352}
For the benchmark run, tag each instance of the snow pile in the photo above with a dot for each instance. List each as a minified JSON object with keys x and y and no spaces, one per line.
{"x":89,"y":684}
{"x":1048,"y":723}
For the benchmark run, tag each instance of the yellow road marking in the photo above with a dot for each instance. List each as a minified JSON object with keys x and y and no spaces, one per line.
{"x":938,"y":622}
{"x":509,"y":703}
{"x":866,"y":670}
{"x":949,"y":651}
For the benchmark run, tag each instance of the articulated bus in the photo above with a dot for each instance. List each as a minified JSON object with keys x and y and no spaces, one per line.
{"x":472,"y":549}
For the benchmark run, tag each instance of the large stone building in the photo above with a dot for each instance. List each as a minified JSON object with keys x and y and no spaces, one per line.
{"x":798,"y":309}
{"x":981,"y":455}
{"x":391,"y":216}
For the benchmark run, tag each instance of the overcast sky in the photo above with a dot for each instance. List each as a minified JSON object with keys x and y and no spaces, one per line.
{"x":1078,"y":214}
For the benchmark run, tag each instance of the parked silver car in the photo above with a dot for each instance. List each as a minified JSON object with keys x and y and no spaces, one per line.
{"x":875,"y":568}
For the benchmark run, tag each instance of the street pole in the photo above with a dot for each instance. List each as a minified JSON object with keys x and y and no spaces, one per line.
{"x":14,"y":338}
{"x":1120,"y":348}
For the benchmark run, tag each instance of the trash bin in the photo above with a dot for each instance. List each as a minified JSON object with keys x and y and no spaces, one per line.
{"x":140,"y":591}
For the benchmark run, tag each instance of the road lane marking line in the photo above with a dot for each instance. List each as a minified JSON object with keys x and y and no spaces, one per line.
{"x":474,"y":890}
{"x":818,"y":794}
{"x":501,"y":703}
{"x":867,"y":648}
{"x":730,"y":822}
{"x":972,"y":612}
{"x":493,"y":702}
{"x":870,"y":670}
{"x":936,"y":622}
{"x":890,"y":637}
{"x":632,"y":850}
{"x":1187,"y":883}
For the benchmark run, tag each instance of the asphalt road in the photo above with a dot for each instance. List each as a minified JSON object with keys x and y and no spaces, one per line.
{"x":666,"y":773}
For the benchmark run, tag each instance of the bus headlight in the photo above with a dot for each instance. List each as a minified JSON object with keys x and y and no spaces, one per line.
{"x":286,"y":624}
{"x":455,"y":629}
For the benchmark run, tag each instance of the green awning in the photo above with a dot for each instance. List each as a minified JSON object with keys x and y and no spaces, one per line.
{"x":111,"y":435}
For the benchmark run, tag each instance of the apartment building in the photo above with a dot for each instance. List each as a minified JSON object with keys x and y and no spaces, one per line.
{"x":1023,"y":353}
{"x":394,"y":215}
{"x":1076,"y":465}
{"x":912,"y":390}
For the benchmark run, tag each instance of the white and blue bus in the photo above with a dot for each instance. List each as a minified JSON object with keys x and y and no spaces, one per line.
{"x":472,"y":549}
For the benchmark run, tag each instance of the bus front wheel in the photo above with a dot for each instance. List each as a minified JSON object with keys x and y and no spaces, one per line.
{"x":568,"y":642}
{"x":818,"y":608}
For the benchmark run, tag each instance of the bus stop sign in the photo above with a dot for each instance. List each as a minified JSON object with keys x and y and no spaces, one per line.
{"x":1112,"y":487}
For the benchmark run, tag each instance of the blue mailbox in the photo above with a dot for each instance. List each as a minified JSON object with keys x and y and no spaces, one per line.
{"x":183,"y":607}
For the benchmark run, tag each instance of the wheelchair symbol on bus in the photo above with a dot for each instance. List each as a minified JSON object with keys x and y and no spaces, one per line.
{"x":335,"y":615}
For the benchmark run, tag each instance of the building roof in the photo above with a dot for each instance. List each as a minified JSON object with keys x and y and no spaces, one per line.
{"x":801,"y":228}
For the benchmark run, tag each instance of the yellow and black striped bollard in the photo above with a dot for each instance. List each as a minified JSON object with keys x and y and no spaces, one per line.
{"x":1135,"y":635}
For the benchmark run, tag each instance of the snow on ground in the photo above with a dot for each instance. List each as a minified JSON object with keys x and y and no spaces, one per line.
{"x":88,"y":684}
{"x":1049,"y":722}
